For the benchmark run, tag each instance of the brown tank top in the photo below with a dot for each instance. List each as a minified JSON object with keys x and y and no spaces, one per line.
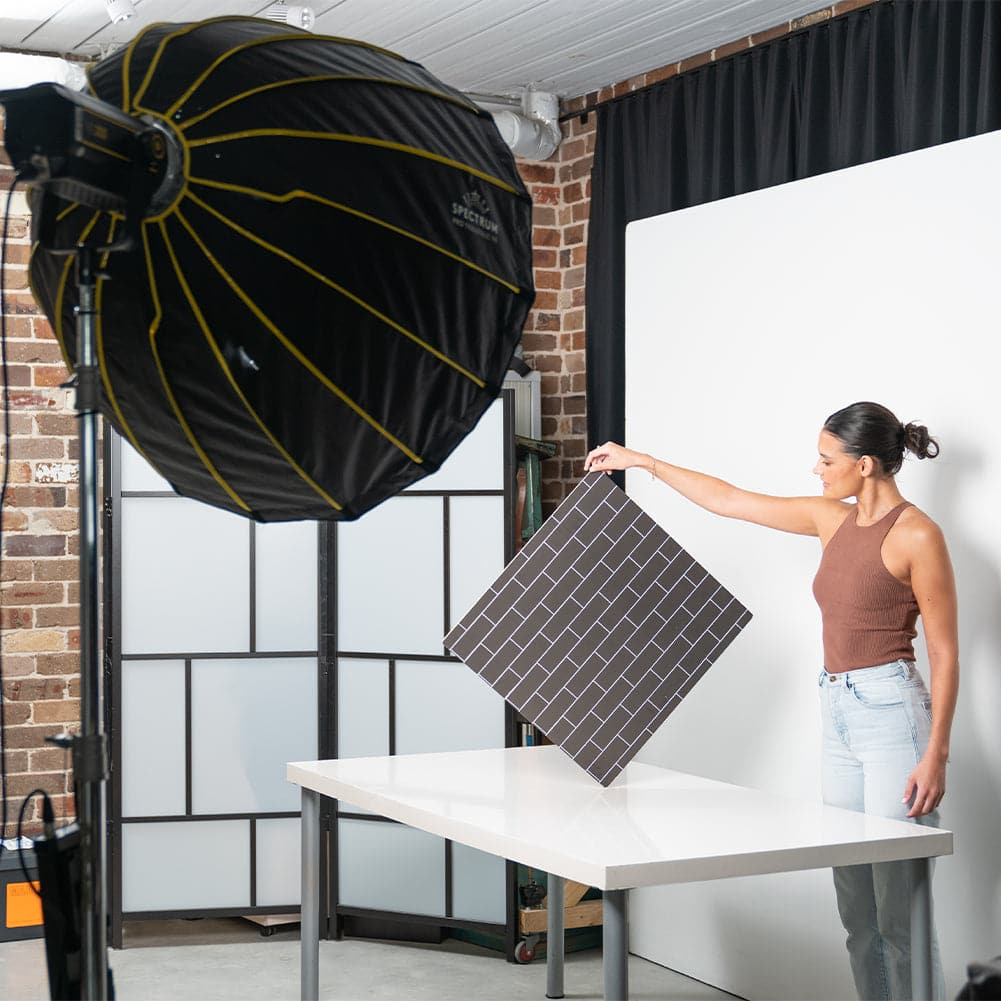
{"x":869,"y":616}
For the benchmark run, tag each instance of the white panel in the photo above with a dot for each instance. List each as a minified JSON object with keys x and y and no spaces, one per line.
{"x":279,"y":849}
{"x":362,"y":708}
{"x":390,"y":578}
{"x":185,"y":577}
{"x":286,"y":582}
{"x":248,"y":719}
{"x":152,"y":715}
{"x":390,"y":867}
{"x":478,"y":461}
{"x":177,"y":865}
{"x":478,"y":890}
{"x":137,"y":473}
{"x":746,"y":327}
{"x":444,"y":706}
{"x":476,"y":550}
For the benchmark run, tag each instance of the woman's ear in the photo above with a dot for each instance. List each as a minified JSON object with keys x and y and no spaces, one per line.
{"x":866,"y":465}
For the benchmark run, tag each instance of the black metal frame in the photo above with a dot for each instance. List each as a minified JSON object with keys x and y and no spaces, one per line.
{"x":332,"y":914}
{"x":114,"y":658}
{"x":326,"y":655}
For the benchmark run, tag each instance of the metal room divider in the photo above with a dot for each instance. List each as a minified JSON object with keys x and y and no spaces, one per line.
{"x":233,"y":647}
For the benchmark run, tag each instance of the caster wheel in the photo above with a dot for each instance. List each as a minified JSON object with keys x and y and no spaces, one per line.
{"x":267,"y":932}
{"x":523,"y":952}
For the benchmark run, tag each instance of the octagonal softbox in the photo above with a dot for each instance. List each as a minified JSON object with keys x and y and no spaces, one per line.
{"x":333,"y":297}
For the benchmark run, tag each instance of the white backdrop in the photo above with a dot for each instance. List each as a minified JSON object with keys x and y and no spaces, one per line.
{"x":748,"y":321}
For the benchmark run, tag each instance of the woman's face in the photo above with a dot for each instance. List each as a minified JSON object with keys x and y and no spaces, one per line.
{"x":839,"y":472}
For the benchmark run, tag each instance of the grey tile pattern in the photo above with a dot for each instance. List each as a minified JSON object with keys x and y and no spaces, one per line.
{"x":599,"y":627}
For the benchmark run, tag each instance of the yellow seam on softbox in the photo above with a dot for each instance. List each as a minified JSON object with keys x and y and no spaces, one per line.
{"x":319,"y":199}
{"x":302,"y":36}
{"x":105,"y":150}
{"x":127,"y":60}
{"x":293,"y":350}
{"x":327,"y":78}
{"x":99,"y":326}
{"x":313,"y":273}
{"x":206,"y":461}
{"x":31,"y":285}
{"x":66,"y":211}
{"x":206,"y":332}
{"x":361,"y":140}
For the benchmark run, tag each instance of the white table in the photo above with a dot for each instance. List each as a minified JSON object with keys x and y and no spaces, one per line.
{"x":650,"y":827}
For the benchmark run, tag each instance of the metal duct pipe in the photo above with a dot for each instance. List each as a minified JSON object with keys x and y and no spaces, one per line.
{"x":529,"y":126}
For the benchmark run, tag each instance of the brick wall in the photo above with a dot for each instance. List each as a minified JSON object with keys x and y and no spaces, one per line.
{"x":39,"y":590}
{"x":39,"y":610}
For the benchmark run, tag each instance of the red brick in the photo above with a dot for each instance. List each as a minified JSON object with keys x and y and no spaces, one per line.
{"x":49,"y":759}
{"x":572,"y":150}
{"x":548,"y":279}
{"x":539,"y":342}
{"x":15,"y":570}
{"x":582,"y":211}
{"x":17,"y":617}
{"x":533,"y":172}
{"x":17,"y":253}
{"x":547,"y":321}
{"x":20,"y":593}
{"x":545,"y":195}
{"x":42,"y":328}
{"x":32,"y":689}
{"x":63,"y":710}
{"x":31,"y":400}
{"x":572,"y":235}
{"x":14,"y":521}
{"x":18,"y":327}
{"x":57,"y":425}
{"x":544,"y":258}
{"x":50,"y":375}
{"x":573,"y":192}
{"x":18,"y":376}
{"x":575,"y":404}
{"x":38,"y":448}
{"x":56,"y":570}
{"x":17,"y":764}
{"x":544,"y":237}
{"x":16,"y":278}
{"x":741,"y":45}
{"x":762,"y":37}
{"x":655,"y":76}
{"x":543,"y":215}
{"x":573,"y":320}
{"x":548,"y":363}
{"x":35,"y":545}
{"x":17,"y":713}
{"x":548,"y":429}
{"x":694,"y":62}
{"x":30,"y":735}
{"x":51,"y":782}
{"x":578,"y":255}
{"x":56,"y":615}
{"x":551,"y":406}
{"x":565,"y":258}
{"x":58,"y":663}
{"x":846,"y":6}
{"x":809,"y":19}
{"x":36,"y":496}
{"x":574,"y":277}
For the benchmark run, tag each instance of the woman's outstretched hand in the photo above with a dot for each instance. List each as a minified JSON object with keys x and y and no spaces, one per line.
{"x":608,"y":457}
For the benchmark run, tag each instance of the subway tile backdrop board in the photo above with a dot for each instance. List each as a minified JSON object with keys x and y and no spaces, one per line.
{"x":598,"y":629}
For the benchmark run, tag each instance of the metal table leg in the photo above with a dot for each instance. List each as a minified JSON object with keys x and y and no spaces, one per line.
{"x":554,"y":936}
{"x":309,"y":932}
{"x":615,"y":947}
{"x":921,"y":954}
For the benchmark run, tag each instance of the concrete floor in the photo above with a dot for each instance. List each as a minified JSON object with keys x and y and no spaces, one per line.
{"x":228,"y":958}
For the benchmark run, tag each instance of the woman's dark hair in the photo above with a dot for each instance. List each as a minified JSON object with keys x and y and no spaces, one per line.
{"x":871,"y":429}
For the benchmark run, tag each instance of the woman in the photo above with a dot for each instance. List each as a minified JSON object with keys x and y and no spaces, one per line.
{"x":883,"y":564}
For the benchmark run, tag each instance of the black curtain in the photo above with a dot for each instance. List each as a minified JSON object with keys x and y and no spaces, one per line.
{"x":883,"y":80}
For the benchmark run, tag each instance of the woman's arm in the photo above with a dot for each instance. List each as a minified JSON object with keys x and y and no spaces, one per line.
{"x":801,"y":515}
{"x":934,"y":589}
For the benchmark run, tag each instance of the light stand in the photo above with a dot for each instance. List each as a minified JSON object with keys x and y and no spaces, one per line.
{"x":82,"y":150}
{"x":90,"y":759}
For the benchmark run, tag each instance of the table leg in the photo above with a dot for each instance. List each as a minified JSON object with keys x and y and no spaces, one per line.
{"x":554,"y":936}
{"x":921,"y":954}
{"x":615,"y":947}
{"x":309,"y":930}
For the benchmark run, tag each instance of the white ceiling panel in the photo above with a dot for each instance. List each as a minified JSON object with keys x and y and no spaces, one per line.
{"x":570,"y":47}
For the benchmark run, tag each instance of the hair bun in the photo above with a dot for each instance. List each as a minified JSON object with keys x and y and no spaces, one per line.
{"x":917,"y":441}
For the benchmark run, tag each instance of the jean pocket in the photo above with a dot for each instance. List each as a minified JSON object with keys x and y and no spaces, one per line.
{"x":880,"y":693}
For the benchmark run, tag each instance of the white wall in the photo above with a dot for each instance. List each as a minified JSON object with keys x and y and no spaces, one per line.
{"x":749,"y":320}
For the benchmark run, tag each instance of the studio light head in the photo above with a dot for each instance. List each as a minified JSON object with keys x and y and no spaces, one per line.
{"x":86,"y":151}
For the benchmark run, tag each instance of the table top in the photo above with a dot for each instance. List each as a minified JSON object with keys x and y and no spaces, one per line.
{"x":650,"y":827}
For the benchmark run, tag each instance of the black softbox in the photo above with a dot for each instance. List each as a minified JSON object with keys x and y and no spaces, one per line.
{"x":332,"y":295}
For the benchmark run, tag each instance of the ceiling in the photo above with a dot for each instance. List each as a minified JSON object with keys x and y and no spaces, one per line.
{"x":566,"y":47}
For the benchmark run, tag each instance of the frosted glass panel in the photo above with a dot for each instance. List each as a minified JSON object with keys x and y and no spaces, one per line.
{"x":185,"y":577}
{"x":190,"y":865}
{"x":390,"y":585}
{"x":137,"y":473}
{"x":390,"y":867}
{"x":362,"y":708}
{"x":152,"y":714}
{"x":249,"y":718}
{"x":444,"y":706}
{"x":478,"y":891}
{"x":477,"y":462}
{"x":278,"y":851}
{"x":476,"y":550}
{"x":286,"y":577}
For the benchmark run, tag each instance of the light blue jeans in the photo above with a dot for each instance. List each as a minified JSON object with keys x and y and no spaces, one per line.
{"x":877,"y":722}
